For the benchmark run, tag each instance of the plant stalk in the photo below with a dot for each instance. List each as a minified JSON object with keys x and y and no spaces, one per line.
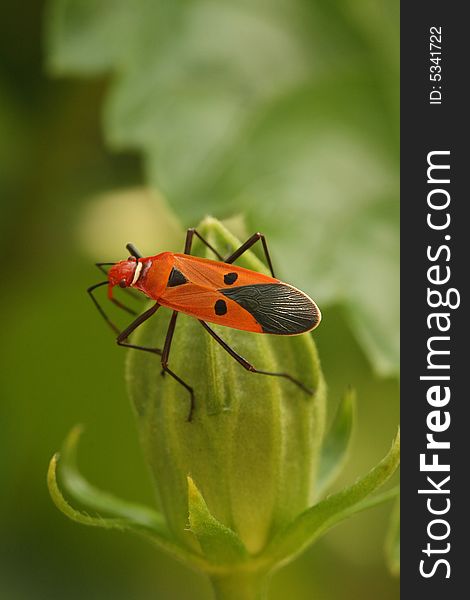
{"x":240,"y":586}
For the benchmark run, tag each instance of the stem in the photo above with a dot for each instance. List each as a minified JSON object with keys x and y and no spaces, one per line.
{"x":240,"y":586}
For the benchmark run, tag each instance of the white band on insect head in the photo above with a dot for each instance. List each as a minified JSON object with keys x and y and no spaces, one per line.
{"x":138,"y":269}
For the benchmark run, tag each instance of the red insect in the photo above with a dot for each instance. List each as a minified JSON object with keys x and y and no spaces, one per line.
{"x":210,"y":291}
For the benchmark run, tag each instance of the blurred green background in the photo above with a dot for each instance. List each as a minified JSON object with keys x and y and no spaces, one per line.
{"x":283,"y":112}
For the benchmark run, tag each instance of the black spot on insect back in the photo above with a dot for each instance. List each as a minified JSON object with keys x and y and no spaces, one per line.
{"x":176,"y":278}
{"x":220,"y":307}
{"x":230,"y":278}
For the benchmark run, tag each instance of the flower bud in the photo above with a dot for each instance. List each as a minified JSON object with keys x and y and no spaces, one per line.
{"x":252,"y":446}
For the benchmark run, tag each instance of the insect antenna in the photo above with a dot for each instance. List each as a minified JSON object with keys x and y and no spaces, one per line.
{"x":133,"y":251}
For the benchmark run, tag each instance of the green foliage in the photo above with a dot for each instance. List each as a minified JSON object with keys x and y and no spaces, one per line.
{"x":284,"y":110}
{"x":322,"y":516}
{"x":93,"y":498}
{"x":336,"y":445}
{"x":151,"y":530}
{"x":392,"y":543}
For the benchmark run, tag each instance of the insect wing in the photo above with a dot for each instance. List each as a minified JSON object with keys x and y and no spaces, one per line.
{"x":278,"y":308}
{"x":195,"y":285}
{"x":238,"y":298}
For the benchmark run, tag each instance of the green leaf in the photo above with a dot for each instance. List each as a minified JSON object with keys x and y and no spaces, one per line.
{"x":286,"y":111}
{"x":219,"y":543}
{"x":392,"y":542}
{"x":336,"y":445}
{"x":319,"y":518}
{"x":86,"y":36}
{"x":82,"y":491}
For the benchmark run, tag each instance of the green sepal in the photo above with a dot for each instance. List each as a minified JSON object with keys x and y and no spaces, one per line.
{"x":72,"y":513}
{"x":315,"y":521}
{"x":82,"y":491}
{"x":220,"y":544}
{"x":337,"y":442}
{"x":392,"y":541}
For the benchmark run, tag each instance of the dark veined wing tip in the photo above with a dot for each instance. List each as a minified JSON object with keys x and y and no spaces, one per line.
{"x":279,"y":308}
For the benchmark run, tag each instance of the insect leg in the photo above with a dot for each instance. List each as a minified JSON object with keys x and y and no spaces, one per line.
{"x":247,"y":245}
{"x":248,"y":366}
{"x":189,"y":240}
{"x":131,"y":311}
{"x":90,"y":290}
{"x":122,"y":337}
{"x":101,"y":266}
{"x":163,"y":353}
{"x":165,"y":356}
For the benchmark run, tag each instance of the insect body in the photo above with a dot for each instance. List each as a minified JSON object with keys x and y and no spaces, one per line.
{"x":219,"y":293}
{"x":211,"y":291}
